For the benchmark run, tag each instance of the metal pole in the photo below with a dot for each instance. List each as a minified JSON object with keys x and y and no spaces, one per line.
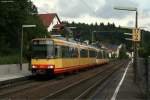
{"x":135,"y":49}
{"x":136,"y":22}
{"x":92,"y":36}
{"x":21,"y":44}
{"x":134,"y":42}
{"x":102,"y":55}
{"x":21,"y":49}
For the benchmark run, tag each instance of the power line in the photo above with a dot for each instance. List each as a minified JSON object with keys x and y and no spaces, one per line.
{"x":88,"y":7}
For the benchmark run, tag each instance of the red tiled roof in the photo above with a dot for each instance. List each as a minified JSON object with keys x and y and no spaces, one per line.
{"x":48,"y":18}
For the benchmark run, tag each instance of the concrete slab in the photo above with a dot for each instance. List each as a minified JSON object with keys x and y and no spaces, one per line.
{"x":12,"y":73}
{"x":13,"y":69}
{"x":13,"y":76}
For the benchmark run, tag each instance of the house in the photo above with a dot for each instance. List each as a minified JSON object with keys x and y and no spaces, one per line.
{"x":49,"y":20}
{"x":113,"y":50}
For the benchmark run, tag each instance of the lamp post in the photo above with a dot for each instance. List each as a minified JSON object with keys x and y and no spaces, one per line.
{"x":134,"y":42}
{"x":72,"y":31}
{"x":21,"y":49}
{"x":93,"y":35}
{"x":130,"y":9}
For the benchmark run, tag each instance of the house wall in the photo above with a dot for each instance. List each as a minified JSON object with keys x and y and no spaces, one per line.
{"x":54,"y":22}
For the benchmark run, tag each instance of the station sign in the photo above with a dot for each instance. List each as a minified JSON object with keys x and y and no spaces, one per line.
{"x":136,"y":35}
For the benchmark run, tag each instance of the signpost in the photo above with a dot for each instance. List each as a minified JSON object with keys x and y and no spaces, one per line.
{"x":136,"y":35}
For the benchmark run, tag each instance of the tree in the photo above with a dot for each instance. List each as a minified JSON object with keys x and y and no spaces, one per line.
{"x":13,"y":16}
{"x":122,"y":53}
{"x":110,"y":34}
{"x":102,"y":25}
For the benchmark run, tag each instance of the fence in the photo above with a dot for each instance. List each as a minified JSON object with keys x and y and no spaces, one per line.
{"x":143,"y":76}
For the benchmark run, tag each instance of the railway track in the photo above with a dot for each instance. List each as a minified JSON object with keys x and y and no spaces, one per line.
{"x":12,"y":83}
{"x":33,"y":90}
{"x":74,"y":91}
{"x":21,"y":86}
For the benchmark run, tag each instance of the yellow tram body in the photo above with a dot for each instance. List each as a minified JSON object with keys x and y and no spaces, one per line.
{"x":79,"y":59}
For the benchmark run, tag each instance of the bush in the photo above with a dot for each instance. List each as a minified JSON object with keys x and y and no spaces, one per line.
{"x":11,"y":59}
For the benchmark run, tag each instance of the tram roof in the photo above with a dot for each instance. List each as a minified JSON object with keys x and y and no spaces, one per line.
{"x":62,"y":40}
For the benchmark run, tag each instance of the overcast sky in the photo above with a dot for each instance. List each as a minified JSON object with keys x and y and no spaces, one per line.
{"x":91,"y":11}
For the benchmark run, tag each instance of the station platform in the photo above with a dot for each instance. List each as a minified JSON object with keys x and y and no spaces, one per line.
{"x":120,"y":86}
{"x":13,"y":76}
{"x":12,"y":73}
{"x":129,"y":90}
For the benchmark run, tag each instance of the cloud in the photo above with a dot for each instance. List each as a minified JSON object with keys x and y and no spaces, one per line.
{"x":107,"y":10}
{"x":77,"y":8}
{"x":71,"y":9}
{"x":96,"y":10}
{"x":130,"y":23}
{"x":45,"y":6}
{"x":144,"y":13}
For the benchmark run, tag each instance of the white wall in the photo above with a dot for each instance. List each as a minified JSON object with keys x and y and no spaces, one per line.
{"x":55,"y":21}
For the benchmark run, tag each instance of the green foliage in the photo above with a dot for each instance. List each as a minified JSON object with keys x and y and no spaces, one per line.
{"x":144,"y":50}
{"x":110,"y":34}
{"x":13,"y":16}
{"x":11,"y":59}
{"x":104,"y":33}
{"x":122,"y":53}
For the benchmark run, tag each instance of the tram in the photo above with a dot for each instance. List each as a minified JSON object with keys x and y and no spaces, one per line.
{"x":57,"y":55}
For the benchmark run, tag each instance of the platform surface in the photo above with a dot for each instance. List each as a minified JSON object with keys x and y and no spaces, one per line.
{"x":13,"y":71}
{"x":129,"y":90}
{"x":114,"y":89}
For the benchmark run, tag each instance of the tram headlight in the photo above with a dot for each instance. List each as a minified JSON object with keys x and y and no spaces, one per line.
{"x":50,"y":67}
{"x":33,"y":66}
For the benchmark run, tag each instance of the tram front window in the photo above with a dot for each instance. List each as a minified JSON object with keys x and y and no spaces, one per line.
{"x":42,"y":50}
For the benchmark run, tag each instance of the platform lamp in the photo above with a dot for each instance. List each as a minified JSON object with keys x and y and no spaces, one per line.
{"x":134,"y":42}
{"x":21,"y":49}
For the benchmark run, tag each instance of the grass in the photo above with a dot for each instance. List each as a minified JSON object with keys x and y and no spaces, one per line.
{"x":11,"y":59}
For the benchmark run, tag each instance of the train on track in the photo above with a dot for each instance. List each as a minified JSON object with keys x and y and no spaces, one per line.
{"x":57,"y":55}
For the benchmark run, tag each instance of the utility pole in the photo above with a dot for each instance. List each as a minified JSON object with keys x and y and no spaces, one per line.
{"x":135,"y":49}
{"x":135,"y":42}
{"x":92,"y":36}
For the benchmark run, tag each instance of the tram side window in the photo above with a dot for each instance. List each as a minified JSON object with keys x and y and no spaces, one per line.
{"x":83,"y":53}
{"x":65,"y":52}
{"x":58,"y":51}
{"x":73,"y":52}
{"x":104,"y":54}
{"x":107,"y":55}
{"x":92,"y":53}
{"x":99,"y":55}
{"x":50,"y":52}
